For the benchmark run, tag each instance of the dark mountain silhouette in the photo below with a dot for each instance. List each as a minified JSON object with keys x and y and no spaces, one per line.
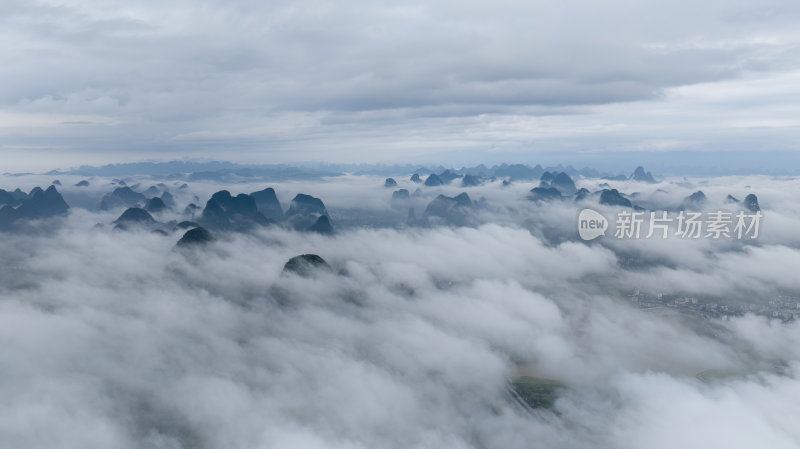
{"x":433,"y":180}
{"x":453,"y":210}
{"x":152,"y":191}
{"x":694,"y":201}
{"x":83,"y":183}
{"x":195,"y":237}
{"x":39,"y":204}
{"x":8,"y":215}
{"x":267,"y":203}
{"x":390,"y":182}
{"x":304,"y":211}
{"x":18,"y":193}
{"x":121,"y":197}
{"x":560,"y":181}
{"x":470,"y":181}
{"x":448,"y":176}
{"x":401,"y":194}
{"x":544,"y":194}
{"x":306,"y":265}
{"x":322,"y":225}
{"x":43,"y":204}
{"x":564,"y":184}
{"x":731,"y":199}
{"x":12,"y":198}
{"x":135,"y":215}
{"x":401,"y":199}
{"x":612,"y":197}
{"x":155,"y":205}
{"x":224,"y":211}
{"x":214,"y":215}
{"x":168,"y":199}
{"x":751,"y":203}
{"x":135,"y":218}
{"x":415,"y":178}
{"x":306,"y":204}
{"x":642,"y":176}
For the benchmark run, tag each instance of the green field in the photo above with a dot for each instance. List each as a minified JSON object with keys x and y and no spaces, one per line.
{"x":538,"y":392}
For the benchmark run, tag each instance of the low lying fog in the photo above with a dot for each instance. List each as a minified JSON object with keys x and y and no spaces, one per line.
{"x":115,"y":339}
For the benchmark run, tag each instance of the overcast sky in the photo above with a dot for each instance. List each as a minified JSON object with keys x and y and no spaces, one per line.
{"x":379,"y":81}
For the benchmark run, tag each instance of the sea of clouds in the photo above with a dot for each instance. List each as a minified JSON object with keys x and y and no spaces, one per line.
{"x":118,"y":340}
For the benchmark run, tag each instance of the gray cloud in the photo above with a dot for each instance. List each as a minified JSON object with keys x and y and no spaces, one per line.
{"x":318,"y":81}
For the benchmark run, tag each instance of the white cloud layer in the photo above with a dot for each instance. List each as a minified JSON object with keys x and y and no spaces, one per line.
{"x":115,"y":340}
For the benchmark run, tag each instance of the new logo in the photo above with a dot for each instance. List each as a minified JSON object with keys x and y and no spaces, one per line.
{"x":591,"y":224}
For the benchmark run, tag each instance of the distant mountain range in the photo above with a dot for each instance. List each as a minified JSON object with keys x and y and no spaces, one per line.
{"x":230,"y":172}
{"x":595,"y":164}
{"x":154,"y":208}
